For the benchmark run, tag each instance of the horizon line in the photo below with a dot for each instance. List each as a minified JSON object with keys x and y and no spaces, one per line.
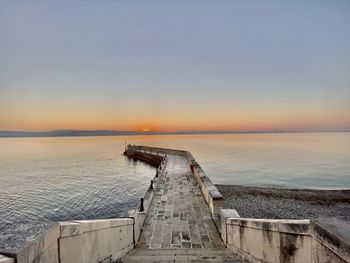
{"x":81,"y":133}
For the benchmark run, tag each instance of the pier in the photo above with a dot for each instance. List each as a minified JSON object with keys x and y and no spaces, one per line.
{"x":181,"y":218}
{"x":179,"y":226}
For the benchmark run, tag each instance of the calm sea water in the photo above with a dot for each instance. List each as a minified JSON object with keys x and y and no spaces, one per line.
{"x":44,"y":180}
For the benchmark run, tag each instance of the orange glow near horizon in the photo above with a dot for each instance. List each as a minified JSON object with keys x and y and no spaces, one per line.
{"x":169,"y":118}
{"x":182,"y":121}
{"x":147,"y":72}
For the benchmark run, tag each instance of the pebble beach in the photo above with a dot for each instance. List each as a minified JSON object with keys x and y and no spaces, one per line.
{"x":277,"y":203}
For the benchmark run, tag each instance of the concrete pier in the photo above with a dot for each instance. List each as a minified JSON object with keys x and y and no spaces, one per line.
{"x":179,"y":226}
{"x":178,"y":216}
{"x":182,"y":220}
{"x":187,"y":223}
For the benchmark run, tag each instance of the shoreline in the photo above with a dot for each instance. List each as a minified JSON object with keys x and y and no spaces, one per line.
{"x":280,"y":203}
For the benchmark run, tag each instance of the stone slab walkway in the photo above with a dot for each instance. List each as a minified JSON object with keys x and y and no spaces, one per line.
{"x":179,"y":216}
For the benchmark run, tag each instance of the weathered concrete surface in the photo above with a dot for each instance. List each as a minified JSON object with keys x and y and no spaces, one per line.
{"x":148,"y":157}
{"x":269,"y":240}
{"x":211,"y":194}
{"x":331,"y":239}
{"x":88,"y":241}
{"x":44,"y":249}
{"x":277,"y":240}
{"x":5,"y":259}
{"x":225,"y":214}
{"x":93,"y":241}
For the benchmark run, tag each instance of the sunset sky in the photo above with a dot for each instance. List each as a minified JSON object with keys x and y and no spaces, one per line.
{"x":175,"y":65}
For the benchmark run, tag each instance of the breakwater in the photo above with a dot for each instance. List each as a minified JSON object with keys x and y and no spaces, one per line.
{"x":181,"y":217}
{"x":152,"y":158}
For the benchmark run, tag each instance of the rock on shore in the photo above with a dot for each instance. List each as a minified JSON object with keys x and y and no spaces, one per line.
{"x":256,"y":202}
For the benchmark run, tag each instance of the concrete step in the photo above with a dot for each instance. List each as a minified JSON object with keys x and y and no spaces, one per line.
{"x":180,"y":256}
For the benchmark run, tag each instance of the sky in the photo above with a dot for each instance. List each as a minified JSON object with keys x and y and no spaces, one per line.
{"x":175,"y":65}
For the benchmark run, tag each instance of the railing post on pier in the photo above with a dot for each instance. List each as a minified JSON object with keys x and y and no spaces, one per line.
{"x":141,"y":206}
{"x":151,"y":186}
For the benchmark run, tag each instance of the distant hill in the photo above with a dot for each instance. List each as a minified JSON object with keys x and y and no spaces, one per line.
{"x":69,"y":133}
{"x":63,"y":133}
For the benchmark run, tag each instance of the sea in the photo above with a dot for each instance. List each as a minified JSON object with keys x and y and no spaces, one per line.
{"x":51,"y":179}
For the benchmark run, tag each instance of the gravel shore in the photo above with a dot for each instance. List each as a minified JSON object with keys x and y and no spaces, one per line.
{"x":256,"y":202}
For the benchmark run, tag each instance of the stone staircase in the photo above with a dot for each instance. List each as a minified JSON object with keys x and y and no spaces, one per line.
{"x":180,"y":256}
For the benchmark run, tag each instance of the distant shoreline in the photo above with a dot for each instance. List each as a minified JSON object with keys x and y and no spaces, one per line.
{"x":88,"y":133}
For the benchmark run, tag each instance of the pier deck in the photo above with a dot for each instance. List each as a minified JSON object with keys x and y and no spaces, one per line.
{"x":178,"y":226}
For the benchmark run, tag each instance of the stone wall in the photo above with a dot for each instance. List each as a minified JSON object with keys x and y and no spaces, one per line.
{"x":270,"y":240}
{"x":331,"y":239}
{"x":151,"y":159}
{"x":89,"y":241}
{"x":5,"y":259}
{"x":95,"y":240}
{"x":158,"y":149}
{"x":211,"y":194}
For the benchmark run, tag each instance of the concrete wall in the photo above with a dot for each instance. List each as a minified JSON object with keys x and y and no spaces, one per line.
{"x":159,"y":150}
{"x":43,"y":249}
{"x":211,"y":194}
{"x":263,"y":240}
{"x":269,"y":240}
{"x":80,"y":241}
{"x":331,"y":239}
{"x":151,"y":159}
{"x":5,"y":259}
{"x":95,"y":240}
